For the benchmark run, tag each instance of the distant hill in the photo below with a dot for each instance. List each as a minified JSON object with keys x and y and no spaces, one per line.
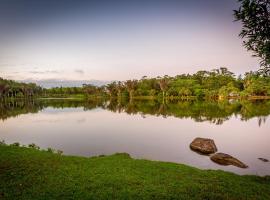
{"x":49,"y":83}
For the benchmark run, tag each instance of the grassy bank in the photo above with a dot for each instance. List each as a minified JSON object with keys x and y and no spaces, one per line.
{"x":27,"y":173}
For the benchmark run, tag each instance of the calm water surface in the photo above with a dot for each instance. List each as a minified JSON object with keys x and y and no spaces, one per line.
{"x":144,"y":129}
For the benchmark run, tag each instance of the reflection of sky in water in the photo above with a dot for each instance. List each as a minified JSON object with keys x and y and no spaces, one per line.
{"x":99,"y":131}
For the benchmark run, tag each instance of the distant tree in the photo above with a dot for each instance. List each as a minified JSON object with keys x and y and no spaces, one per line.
{"x":228,"y":91}
{"x":3,"y":89}
{"x":120,"y":88}
{"x":89,"y":89}
{"x":111,"y":88}
{"x":200,"y":76}
{"x":163,"y":84}
{"x":255,"y":18}
{"x":131,"y":85}
{"x":225,"y":72}
{"x":254,"y":84}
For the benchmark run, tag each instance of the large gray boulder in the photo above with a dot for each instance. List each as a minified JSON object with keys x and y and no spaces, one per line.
{"x":203,"y":146}
{"x":226,"y":159}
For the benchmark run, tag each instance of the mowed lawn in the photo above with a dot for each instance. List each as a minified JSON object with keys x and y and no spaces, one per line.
{"x":27,"y":173}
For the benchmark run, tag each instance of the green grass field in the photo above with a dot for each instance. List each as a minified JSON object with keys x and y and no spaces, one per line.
{"x":27,"y":173}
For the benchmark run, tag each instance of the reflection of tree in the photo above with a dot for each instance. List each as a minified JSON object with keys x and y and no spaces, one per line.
{"x":14,"y":108}
{"x":162,"y":109}
{"x":255,"y":108}
{"x":261,"y":120}
{"x":200,"y":111}
{"x":131,"y":107}
{"x":113,"y":105}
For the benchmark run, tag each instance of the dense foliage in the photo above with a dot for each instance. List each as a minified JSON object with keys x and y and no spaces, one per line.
{"x":216,"y":84}
{"x":255,"y":18}
{"x":9,"y":88}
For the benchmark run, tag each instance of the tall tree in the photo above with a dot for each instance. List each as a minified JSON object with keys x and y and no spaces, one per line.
{"x":3,"y":89}
{"x":131,"y":86}
{"x":89,"y":89}
{"x":163,"y":84}
{"x":255,"y":18}
{"x":111,"y":88}
{"x":120,"y":88}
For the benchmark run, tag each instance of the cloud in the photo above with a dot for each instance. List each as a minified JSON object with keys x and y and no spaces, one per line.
{"x":79,"y":71}
{"x":45,"y":72}
{"x":49,"y":83}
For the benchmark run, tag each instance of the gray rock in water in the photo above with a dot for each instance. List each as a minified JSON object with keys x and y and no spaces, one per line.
{"x":203,"y":145}
{"x":263,"y":159}
{"x":225,"y":159}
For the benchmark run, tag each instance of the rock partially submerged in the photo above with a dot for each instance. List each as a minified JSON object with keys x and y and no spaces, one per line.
{"x":203,"y":146}
{"x":225,"y":159}
{"x":263,"y":159}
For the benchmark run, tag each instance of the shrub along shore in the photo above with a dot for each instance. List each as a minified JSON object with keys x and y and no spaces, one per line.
{"x":29,"y":173}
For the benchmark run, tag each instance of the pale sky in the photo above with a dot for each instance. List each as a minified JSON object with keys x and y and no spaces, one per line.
{"x":83,"y":40}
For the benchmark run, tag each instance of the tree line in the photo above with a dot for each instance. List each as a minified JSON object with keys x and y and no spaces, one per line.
{"x":10,"y":88}
{"x":215,"y":84}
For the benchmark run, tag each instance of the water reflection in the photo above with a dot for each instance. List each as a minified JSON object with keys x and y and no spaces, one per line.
{"x":144,"y":129}
{"x":215,"y":112}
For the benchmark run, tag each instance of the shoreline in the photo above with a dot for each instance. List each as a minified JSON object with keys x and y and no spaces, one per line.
{"x":146,"y":98}
{"x":28,"y":173}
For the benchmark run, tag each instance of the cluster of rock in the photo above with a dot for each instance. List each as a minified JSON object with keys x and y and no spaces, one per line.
{"x":207,"y":146}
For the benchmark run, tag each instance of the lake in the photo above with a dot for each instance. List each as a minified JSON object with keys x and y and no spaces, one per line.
{"x":146,"y":129}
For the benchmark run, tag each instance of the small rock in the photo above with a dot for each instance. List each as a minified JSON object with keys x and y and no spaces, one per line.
{"x":203,"y":145}
{"x":225,"y":159}
{"x":263,"y":159}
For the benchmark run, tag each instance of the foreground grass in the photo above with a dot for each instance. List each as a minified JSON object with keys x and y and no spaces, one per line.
{"x":27,"y":173}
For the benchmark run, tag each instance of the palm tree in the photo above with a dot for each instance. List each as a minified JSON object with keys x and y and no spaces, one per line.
{"x":111,"y":88}
{"x":163,"y":84}
{"x":3,"y":88}
{"x":131,"y":86}
{"x":120,"y":88}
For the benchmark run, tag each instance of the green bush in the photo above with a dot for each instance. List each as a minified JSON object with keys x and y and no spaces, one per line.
{"x":34,"y":146}
{"x":2,"y":142}
{"x":50,"y":150}
{"x":16,"y":144}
